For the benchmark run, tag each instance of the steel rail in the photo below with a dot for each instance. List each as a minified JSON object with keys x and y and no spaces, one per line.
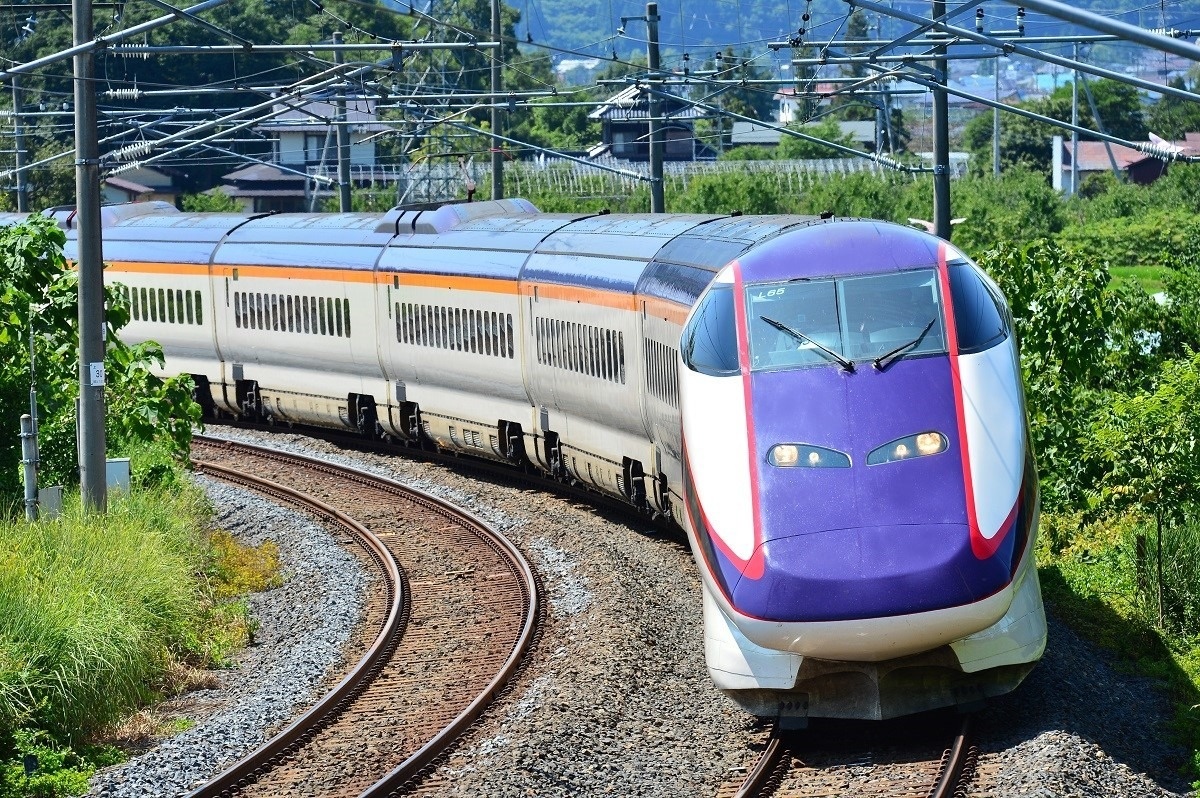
{"x":366,"y":668}
{"x":435,"y":746}
{"x":954,"y":763}
{"x":432,"y":749}
{"x":756,"y":780}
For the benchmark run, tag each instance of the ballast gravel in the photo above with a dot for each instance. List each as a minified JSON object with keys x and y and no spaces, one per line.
{"x":301,"y":629}
{"x":616,"y":700}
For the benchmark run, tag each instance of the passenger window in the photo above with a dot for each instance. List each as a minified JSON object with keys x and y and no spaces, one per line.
{"x":710,"y":338}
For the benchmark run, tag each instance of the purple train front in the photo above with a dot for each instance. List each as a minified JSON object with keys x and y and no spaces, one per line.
{"x":864,"y":511}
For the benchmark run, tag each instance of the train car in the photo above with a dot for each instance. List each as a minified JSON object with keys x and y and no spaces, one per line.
{"x":830,"y":408}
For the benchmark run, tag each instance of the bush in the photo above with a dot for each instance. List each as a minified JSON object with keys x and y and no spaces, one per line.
{"x":893,"y":196}
{"x":1064,"y":315}
{"x":723,"y":193}
{"x":1014,"y":211}
{"x":1152,"y":238}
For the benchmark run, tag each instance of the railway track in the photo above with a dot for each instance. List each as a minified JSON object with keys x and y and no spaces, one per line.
{"x":457,"y":610}
{"x":866,"y":761}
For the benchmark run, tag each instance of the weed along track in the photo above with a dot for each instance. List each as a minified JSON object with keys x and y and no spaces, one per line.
{"x":895,"y":759}
{"x":453,"y":616}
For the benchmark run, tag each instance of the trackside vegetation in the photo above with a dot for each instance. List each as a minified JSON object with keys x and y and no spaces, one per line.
{"x":100,"y":615}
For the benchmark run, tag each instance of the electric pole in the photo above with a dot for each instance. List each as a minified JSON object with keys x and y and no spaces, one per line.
{"x":497,"y":153}
{"x":343,"y":136}
{"x":941,"y":135}
{"x":92,"y":442}
{"x":996,"y":121}
{"x":657,"y":199}
{"x":1074,"y":121}
{"x":19,"y":144}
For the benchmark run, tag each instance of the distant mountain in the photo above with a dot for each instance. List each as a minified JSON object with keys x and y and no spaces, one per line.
{"x":701,"y":27}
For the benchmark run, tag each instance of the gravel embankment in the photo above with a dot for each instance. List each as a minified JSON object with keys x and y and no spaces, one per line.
{"x":302,"y":627}
{"x":616,"y":700}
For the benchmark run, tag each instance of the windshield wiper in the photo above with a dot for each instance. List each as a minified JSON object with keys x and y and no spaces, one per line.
{"x":799,"y":336}
{"x":884,"y":360}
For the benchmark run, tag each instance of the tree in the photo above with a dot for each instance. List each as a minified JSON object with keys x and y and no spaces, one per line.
{"x":38,"y":298}
{"x":724,"y":193}
{"x":794,"y":148}
{"x":1016,"y":210}
{"x":549,"y":122}
{"x":210,"y":202}
{"x":1027,"y":143}
{"x":1171,"y":117}
{"x":1063,"y":314}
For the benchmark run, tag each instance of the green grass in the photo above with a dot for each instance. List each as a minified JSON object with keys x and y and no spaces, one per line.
{"x":93,"y":605}
{"x":1150,"y":278}
{"x":1093,"y":585}
{"x":103,"y":614}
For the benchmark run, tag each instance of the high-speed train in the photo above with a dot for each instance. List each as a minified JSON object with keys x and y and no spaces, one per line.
{"x":831,"y":408}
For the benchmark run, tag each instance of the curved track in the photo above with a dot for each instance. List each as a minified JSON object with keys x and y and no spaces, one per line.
{"x":795,"y":764}
{"x":457,"y":611}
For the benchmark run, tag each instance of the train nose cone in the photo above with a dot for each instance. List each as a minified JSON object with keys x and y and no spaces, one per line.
{"x":868,"y":572}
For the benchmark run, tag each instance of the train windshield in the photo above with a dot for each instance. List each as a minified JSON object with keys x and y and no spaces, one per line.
{"x":878,"y":318}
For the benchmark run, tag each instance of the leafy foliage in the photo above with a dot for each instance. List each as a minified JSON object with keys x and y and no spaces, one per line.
{"x":794,"y":148}
{"x":1063,"y":316}
{"x":214,"y":202}
{"x":1171,"y":117}
{"x":1152,"y":238}
{"x":1016,"y":210}
{"x":39,"y":296}
{"x":1147,"y":445}
{"x":61,"y":769}
{"x":727,"y":193}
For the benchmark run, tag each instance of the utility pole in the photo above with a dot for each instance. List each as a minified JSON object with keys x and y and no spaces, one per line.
{"x":941,"y":135}
{"x":657,"y":200}
{"x":497,"y":153}
{"x":343,"y":134}
{"x":19,"y":143}
{"x":92,"y":442}
{"x":996,"y":123}
{"x":1074,"y":121}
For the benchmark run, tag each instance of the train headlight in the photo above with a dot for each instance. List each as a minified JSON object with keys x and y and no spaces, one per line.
{"x":908,"y":447}
{"x":802,"y":455}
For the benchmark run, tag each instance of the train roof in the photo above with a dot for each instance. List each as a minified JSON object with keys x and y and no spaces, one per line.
{"x":669,"y":256}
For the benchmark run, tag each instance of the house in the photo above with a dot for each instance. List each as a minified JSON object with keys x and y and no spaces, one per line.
{"x":625,"y":128}
{"x":116,"y":190}
{"x":791,"y":103}
{"x":141,"y":184}
{"x":1096,"y":157}
{"x":303,"y":167}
